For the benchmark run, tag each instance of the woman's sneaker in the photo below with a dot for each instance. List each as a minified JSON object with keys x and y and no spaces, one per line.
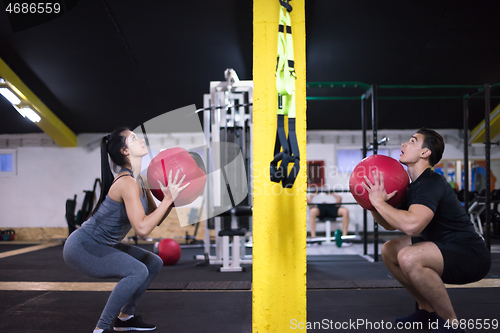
{"x":133,"y":324}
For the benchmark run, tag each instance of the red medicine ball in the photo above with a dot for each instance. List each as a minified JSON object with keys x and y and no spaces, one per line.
{"x":395,"y":178}
{"x":169,"y":251}
{"x":178,"y":159}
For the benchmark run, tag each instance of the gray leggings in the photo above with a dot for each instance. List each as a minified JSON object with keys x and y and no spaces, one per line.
{"x":134,"y":266}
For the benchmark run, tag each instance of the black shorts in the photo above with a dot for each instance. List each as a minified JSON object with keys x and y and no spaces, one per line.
{"x":463,"y":263}
{"x":328,"y":210}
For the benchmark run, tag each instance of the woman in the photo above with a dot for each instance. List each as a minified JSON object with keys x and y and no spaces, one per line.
{"x":96,"y":249}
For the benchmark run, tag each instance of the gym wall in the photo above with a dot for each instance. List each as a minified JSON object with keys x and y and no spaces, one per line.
{"x":46,"y":176}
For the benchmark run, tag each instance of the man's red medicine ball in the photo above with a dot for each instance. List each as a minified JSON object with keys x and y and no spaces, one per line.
{"x":187,"y":163}
{"x":395,"y":178}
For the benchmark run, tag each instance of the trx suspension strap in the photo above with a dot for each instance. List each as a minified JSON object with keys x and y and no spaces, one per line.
{"x":286,"y":149}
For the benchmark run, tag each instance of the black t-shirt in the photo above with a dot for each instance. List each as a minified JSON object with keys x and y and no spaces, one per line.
{"x":450,"y":223}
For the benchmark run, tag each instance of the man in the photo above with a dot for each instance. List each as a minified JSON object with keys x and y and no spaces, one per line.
{"x":442,"y":245}
{"x":328,"y":210}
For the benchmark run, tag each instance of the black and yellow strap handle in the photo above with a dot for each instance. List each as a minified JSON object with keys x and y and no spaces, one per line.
{"x":286,"y":149}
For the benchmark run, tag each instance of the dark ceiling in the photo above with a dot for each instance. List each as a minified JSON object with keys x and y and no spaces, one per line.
{"x":106,"y":63}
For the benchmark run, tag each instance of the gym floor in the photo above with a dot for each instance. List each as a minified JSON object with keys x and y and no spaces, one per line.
{"x":39,"y":293}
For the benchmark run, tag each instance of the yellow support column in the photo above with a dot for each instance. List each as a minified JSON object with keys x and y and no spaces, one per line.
{"x":279,"y":215}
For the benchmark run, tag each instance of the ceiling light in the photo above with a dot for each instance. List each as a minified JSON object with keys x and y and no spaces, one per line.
{"x":10,"y":96}
{"x":23,"y":106}
{"x":43,"y":117}
{"x":30,"y":113}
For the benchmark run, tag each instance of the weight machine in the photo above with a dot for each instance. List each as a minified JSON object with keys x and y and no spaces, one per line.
{"x":227,"y":126}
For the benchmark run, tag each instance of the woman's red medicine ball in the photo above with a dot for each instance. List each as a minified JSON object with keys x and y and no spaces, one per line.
{"x":187,"y":163}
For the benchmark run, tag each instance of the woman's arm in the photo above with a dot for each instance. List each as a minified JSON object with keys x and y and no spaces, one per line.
{"x":141,"y":223}
{"x":151,"y":200}
{"x":152,"y":207}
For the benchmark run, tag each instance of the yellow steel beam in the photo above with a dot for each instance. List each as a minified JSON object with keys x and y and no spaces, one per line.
{"x":279,"y":215}
{"x":49,"y":123}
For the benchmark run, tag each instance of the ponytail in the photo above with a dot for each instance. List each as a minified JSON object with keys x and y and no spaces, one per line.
{"x":106,"y":174}
{"x":111,"y":146}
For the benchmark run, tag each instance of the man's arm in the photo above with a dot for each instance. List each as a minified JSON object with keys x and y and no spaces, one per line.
{"x":411,"y":222}
{"x":380,"y":220}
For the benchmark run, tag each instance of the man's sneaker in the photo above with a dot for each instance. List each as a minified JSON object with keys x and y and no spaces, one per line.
{"x":419,"y":316}
{"x":133,"y":324}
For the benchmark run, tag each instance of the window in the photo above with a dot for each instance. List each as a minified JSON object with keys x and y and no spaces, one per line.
{"x":8,"y":162}
{"x":347,"y":159}
{"x":395,"y":153}
{"x":380,"y":152}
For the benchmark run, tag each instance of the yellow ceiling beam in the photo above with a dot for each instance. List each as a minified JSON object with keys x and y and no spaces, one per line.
{"x":478,"y":133}
{"x":49,"y":123}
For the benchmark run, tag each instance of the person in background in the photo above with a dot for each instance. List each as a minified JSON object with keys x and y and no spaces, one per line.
{"x":323,"y":210}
